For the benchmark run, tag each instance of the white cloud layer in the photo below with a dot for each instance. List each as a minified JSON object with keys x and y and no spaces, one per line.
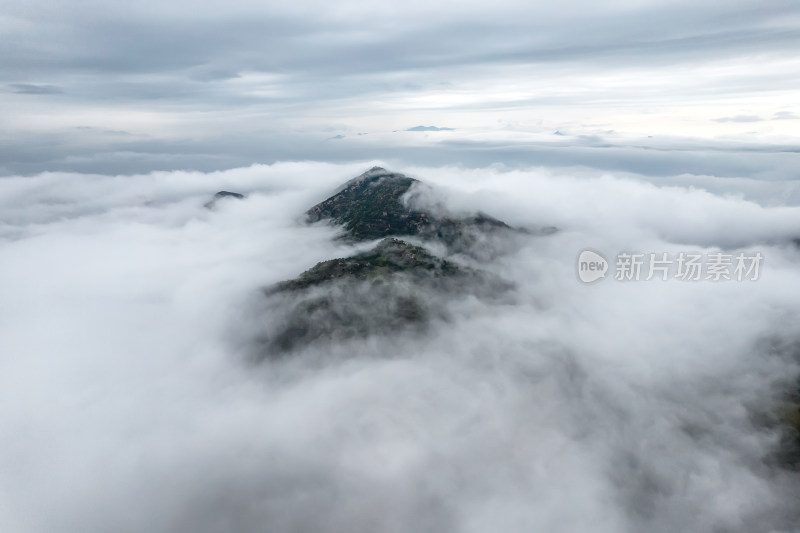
{"x":128,"y":404}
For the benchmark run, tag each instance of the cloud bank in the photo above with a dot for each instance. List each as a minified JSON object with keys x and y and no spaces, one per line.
{"x":236,"y":83}
{"x":130,"y":404}
{"x":429,"y":128}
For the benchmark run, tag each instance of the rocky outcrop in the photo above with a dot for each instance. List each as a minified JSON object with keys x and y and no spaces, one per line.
{"x":389,"y":257}
{"x":223,"y":195}
{"x":376,"y":205}
{"x":392,"y":288}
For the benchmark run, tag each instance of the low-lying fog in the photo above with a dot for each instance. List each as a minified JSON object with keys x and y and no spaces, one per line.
{"x":128,"y":402}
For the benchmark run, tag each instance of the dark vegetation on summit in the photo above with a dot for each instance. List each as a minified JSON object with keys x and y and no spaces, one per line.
{"x":789,"y":450}
{"x":370,"y":207}
{"x":389,"y":257}
{"x":386,"y":290}
{"x":373,"y":206}
{"x":222,"y":195}
{"x":784,"y":413}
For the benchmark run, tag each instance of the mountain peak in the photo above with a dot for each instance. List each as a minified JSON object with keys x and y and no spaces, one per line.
{"x":370,"y":206}
{"x":395,"y":285}
{"x":374,"y":205}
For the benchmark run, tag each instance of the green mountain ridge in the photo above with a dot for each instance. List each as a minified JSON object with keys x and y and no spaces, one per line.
{"x":387,"y":258}
{"x":371,"y":206}
{"x":394,"y":286}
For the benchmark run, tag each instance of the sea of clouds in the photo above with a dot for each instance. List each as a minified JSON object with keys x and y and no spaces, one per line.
{"x":129,"y":403}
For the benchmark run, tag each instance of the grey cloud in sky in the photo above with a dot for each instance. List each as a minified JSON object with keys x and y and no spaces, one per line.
{"x":128,"y":154}
{"x":785,"y":115}
{"x":429,"y":128}
{"x":224,"y":41}
{"x":740,"y":118}
{"x":156,"y":39}
{"x":31,"y":88}
{"x":198,"y":77}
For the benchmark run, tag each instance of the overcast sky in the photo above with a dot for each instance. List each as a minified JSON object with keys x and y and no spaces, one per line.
{"x":115,"y":87}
